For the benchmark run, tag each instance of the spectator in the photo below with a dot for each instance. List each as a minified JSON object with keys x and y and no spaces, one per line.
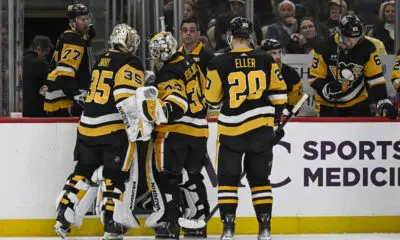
{"x":264,"y":9}
{"x":187,"y":9}
{"x":168,"y":9}
{"x":306,"y":40}
{"x":238,"y":8}
{"x":331,"y":26}
{"x":384,"y":31}
{"x":203,"y":14}
{"x":35,"y":72}
{"x":286,"y":26}
{"x":368,"y":9}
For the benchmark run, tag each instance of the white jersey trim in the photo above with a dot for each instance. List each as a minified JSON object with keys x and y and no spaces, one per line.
{"x":54,"y":94}
{"x":196,"y":121}
{"x":242,"y":117}
{"x":124,"y":90}
{"x":66,"y":69}
{"x":102,"y":119}
{"x":375,"y":81}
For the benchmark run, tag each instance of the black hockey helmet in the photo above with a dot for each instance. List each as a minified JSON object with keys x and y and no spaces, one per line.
{"x":351,"y":26}
{"x":241,"y":27}
{"x":270,"y":44}
{"x":75,"y":10}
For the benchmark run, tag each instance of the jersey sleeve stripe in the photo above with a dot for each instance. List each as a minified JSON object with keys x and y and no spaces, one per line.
{"x":54,"y":95}
{"x":178,"y":101}
{"x":376,"y":81}
{"x":396,"y":83}
{"x":278,"y":99}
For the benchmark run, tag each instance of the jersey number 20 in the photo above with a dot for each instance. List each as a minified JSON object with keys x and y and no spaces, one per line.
{"x":246,"y":86}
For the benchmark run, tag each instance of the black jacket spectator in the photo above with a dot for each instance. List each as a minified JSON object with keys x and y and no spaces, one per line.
{"x":385,"y":29}
{"x":34,"y":74}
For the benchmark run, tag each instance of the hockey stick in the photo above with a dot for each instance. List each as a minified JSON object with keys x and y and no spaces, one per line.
{"x":162,"y":19}
{"x":294,"y":111}
{"x":195,"y":224}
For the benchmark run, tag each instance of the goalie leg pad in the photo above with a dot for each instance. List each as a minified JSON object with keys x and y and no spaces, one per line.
{"x":165,"y":196}
{"x":196,"y":197}
{"x":74,"y":201}
{"x":113,"y":213}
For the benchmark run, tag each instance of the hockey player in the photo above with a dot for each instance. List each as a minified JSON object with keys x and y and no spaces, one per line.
{"x":179,"y":142}
{"x":69,"y":81}
{"x":103,"y":152}
{"x":249,"y":85}
{"x":193,"y":49}
{"x":340,"y":79}
{"x":191,"y":46}
{"x":396,"y":73}
{"x":290,"y":76}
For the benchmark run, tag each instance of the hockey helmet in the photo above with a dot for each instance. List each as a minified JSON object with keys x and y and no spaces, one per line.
{"x":125,"y":38}
{"x":351,"y":26}
{"x":162,"y":46}
{"x":241,"y":27}
{"x":270,"y":44}
{"x":75,"y":10}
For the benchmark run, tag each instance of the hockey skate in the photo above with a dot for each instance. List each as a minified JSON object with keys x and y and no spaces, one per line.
{"x":167,"y":230}
{"x":264,"y":226}
{"x":112,"y":236}
{"x":62,"y":226}
{"x":229,"y":227}
{"x":195,"y":233}
{"x":114,"y":231}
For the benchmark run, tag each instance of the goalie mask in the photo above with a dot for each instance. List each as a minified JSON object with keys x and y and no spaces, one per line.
{"x":124,"y":38}
{"x":162,"y":46}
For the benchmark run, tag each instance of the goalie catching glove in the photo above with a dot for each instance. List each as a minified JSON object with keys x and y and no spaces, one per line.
{"x":150,"y":108}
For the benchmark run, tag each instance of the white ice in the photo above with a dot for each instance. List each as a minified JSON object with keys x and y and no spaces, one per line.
{"x":251,"y":237}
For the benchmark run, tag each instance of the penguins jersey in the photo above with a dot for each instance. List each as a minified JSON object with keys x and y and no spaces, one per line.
{"x":248,"y":84}
{"x":115,"y":77}
{"x":293,"y":84}
{"x":71,"y":74}
{"x":396,"y":73}
{"x":178,"y":83}
{"x":200,"y":55}
{"x":358,"y":67}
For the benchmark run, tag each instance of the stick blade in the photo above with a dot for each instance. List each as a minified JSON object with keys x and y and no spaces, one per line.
{"x":191,"y":224}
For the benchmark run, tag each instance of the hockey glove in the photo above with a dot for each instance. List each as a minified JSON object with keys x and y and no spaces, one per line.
{"x":278,"y":135}
{"x":77,"y":105}
{"x":332,"y":89}
{"x":385,"y":108}
{"x":149,"y":78}
{"x":92,"y":32}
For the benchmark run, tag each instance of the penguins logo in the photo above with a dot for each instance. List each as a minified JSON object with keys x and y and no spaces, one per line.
{"x":348,"y":73}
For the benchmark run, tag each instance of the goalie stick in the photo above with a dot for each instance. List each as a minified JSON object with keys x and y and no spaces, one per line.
{"x":195,"y":224}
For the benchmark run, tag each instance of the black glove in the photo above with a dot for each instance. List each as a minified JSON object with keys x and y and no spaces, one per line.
{"x":332,"y":89}
{"x":278,"y":135}
{"x":385,"y":108}
{"x":77,"y":105}
{"x":92,"y":32}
